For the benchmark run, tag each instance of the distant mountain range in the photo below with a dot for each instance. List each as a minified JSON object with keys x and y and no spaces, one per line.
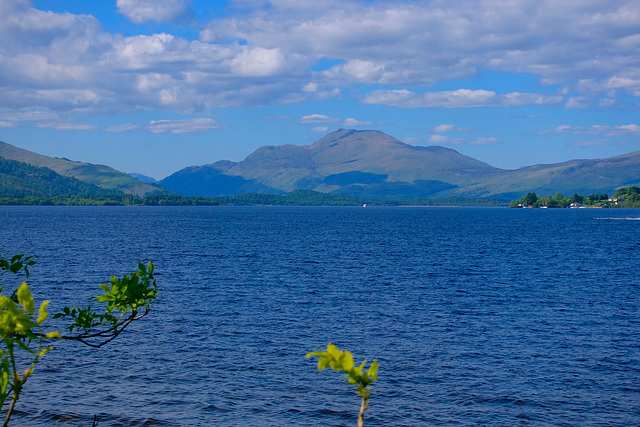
{"x":366,"y":164}
{"x":373,"y":165}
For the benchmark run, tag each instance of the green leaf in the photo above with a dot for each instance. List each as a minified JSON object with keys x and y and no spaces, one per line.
{"x":44,"y":351}
{"x":317,"y":354}
{"x":105,"y":287}
{"x":25,"y":298}
{"x":323,"y":362}
{"x":42,"y":313}
{"x":373,"y":370}
{"x":14,"y":268}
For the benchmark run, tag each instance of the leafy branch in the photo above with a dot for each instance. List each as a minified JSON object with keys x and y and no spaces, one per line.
{"x":20,"y":329}
{"x":21,"y":335}
{"x":343,"y":361}
{"x":126,"y":299}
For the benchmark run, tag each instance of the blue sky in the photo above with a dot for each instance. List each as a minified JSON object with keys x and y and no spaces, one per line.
{"x":153,"y":86}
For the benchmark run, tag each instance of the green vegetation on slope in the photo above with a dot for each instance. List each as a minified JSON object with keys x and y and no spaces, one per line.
{"x":99,"y":175}
{"x":23,"y":180}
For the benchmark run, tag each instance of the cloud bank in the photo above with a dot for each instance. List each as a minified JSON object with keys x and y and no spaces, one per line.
{"x":289,"y":52}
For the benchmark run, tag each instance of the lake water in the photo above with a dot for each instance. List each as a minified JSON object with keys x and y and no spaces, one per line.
{"x":477,"y":316}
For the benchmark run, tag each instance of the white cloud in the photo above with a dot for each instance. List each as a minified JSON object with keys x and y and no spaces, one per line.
{"x":310,"y":87}
{"x":422,"y":42}
{"x":445,"y":140}
{"x":444,"y":128}
{"x":316,"y":118}
{"x":161,"y":11}
{"x":258,"y":62}
{"x":351,"y":122}
{"x":126,"y":127}
{"x":67,"y":126}
{"x":320,"y":129}
{"x":578,"y":103}
{"x":461,"y":98}
{"x":182,"y":127}
{"x":5,"y":125}
{"x":266,"y":55}
{"x":610,"y":131}
{"x":29,"y":116}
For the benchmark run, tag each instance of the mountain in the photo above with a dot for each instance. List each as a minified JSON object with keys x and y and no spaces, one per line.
{"x":19,"y":179}
{"x":373,"y":165}
{"x":367,"y":164}
{"x":99,"y":175}
{"x":575,"y":176}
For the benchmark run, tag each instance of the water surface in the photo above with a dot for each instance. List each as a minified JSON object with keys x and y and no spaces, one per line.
{"x":477,"y":316}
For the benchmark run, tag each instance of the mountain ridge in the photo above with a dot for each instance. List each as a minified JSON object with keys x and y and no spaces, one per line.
{"x":370,"y":163}
{"x":101,"y":176}
{"x":363,"y":163}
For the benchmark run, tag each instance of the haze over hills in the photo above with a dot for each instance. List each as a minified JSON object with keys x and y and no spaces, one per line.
{"x":99,"y":175}
{"x":371,"y":164}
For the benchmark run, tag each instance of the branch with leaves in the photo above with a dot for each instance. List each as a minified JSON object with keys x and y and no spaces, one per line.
{"x":343,"y":361}
{"x":20,"y":330}
{"x":126,"y":300}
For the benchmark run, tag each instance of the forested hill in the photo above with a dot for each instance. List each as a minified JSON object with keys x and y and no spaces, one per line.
{"x":99,"y":175}
{"x":19,"y":179}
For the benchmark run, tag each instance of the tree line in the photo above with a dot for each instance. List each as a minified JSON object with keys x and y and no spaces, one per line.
{"x":294,"y":198}
{"x":626,"y":197}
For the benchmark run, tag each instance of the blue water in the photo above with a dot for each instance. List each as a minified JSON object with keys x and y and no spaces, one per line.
{"x":477,"y":316}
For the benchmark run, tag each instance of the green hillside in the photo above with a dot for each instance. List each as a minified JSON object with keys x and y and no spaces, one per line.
{"x":19,"y":179}
{"x":575,"y":176}
{"x":99,"y":175}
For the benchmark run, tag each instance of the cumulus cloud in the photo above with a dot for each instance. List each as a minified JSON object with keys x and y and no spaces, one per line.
{"x":421,"y":42}
{"x":267,"y":55}
{"x":160,"y":11}
{"x":258,"y":62}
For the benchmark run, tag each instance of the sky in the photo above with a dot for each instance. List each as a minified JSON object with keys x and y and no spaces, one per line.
{"x":153,"y":86}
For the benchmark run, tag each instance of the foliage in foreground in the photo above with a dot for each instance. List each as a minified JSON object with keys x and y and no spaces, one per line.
{"x":343,"y":361}
{"x":126,"y":300}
